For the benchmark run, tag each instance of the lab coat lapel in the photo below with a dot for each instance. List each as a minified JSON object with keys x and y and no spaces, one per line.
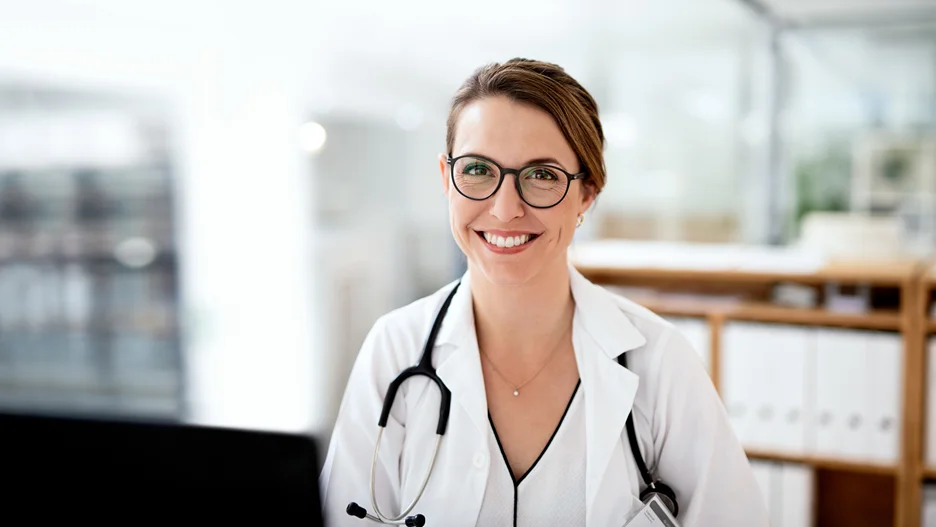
{"x":458,"y":361}
{"x":601,"y":332}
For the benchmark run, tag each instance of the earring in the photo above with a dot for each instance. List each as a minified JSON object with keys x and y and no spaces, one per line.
{"x":581,"y":220}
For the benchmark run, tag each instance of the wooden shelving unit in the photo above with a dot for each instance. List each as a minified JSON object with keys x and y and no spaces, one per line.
{"x":925,"y":327}
{"x":902,"y":278}
{"x":885,"y":320}
{"x":847,"y":465}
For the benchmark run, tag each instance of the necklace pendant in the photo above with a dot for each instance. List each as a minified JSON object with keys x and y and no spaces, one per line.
{"x":516,"y":393}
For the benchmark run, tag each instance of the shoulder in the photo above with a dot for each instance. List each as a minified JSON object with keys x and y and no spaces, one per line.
{"x":399,"y":336}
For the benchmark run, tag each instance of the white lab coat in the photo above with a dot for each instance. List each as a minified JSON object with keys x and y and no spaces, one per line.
{"x":681,"y":423}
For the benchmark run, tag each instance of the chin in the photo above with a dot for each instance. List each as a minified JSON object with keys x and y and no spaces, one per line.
{"x":506,"y":274}
{"x":509,"y":271}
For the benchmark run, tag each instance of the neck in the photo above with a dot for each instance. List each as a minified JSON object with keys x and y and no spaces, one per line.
{"x":523,"y":323}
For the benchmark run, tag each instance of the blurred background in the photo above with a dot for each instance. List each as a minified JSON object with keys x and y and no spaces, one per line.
{"x":195,"y":223}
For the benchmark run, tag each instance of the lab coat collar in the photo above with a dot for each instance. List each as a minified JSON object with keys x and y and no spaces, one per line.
{"x":602,"y":317}
{"x":596,"y":309}
{"x":458,"y":358}
{"x":599,"y":323}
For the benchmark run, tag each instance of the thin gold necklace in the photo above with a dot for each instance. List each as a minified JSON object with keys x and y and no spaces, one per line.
{"x":516,"y":388}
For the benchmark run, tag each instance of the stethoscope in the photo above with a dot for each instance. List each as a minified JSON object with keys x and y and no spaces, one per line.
{"x":425,"y":368}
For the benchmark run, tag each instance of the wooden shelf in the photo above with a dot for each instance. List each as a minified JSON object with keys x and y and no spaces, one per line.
{"x":929,"y":472}
{"x":884,"y":273}
{"x":931,"y":325}
{"x":846,"y":465}
{"x":763,"y":312}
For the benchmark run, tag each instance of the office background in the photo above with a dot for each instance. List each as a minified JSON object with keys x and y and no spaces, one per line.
{"x":204,"y":205}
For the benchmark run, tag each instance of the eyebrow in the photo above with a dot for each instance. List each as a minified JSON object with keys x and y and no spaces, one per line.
{"x":537,"y":161}
{"x":543,"y":160}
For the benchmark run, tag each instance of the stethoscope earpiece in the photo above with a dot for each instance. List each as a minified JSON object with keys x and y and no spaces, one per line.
{"x":356,"y":510}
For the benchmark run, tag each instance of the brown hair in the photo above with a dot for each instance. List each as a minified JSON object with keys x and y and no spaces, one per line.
{"x":548,"y":87}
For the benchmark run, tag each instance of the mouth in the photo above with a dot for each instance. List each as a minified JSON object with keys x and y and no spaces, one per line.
{"x":507,"y":242}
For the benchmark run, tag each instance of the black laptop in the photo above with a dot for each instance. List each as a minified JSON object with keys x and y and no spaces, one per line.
{"x":125,"y":471}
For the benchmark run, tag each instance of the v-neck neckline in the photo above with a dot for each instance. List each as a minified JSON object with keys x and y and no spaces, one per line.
{"x":516,"y":481}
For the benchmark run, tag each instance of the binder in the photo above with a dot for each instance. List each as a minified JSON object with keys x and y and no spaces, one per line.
{"x":790,"y":348}
{"x":853,"y":372}
{"x":775,"y":510}
{"x":795,"y":496}
{"x":763,"y":471}
{"x":836,"y":355}
{"x":738,"y":367}
{"x":884,"y":372}
{"x":765,"y":383}
{"x":928,"y":516}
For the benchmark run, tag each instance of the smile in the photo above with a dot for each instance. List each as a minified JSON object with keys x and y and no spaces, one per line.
{"x":507,"y":242}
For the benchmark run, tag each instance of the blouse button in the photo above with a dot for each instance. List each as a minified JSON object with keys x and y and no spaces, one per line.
{"x":480,"y":460}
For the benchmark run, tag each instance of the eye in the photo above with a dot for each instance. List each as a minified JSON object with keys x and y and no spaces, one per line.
{"x":542,"y":174}
{"x":477,"y":169}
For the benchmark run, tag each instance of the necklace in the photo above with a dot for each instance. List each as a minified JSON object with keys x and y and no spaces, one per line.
{"x":516,"y":388}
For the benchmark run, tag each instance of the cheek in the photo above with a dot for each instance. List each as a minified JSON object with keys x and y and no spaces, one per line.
{"x":561,"y":223}
{"x":462,"y":212}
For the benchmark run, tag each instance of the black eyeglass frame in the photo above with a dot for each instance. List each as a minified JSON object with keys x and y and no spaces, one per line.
{"x":516,"y":172}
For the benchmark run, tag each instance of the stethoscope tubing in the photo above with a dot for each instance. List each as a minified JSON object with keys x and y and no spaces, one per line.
{"x":422,"y":488}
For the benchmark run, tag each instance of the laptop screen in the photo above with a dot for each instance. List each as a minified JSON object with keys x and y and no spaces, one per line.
{"x":124,"y":470}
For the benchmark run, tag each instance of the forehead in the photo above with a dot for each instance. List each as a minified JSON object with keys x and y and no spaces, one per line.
{"x":511,"y":133}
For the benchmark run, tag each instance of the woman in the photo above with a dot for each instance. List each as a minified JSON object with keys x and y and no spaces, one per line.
{"x":529,"y":350}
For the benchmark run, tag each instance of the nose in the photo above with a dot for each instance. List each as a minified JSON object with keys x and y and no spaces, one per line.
{"x":506,"y":203}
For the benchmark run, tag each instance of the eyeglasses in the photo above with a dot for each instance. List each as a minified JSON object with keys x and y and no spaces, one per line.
{"x":540,"y":186}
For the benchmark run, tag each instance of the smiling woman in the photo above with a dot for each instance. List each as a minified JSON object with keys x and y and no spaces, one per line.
{"x":545,"y":421}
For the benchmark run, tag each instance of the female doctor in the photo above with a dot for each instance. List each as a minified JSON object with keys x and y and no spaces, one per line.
{"x":531,"y":353}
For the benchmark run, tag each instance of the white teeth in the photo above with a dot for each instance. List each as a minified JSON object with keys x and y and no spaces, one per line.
{"x":510,"y":241}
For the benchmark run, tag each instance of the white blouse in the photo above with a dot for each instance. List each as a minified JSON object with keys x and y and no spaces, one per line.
{"x":552,"y":492}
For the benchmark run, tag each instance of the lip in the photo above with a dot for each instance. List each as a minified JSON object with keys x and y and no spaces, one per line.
{"x":506,"y":250}
{"x":506,"y":233}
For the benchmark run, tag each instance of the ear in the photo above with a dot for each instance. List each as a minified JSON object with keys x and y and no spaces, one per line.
{"x":443,"y":171}
{"x":589,"y":193}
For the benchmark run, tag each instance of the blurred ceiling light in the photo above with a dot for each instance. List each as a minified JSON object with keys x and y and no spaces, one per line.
{"x":409,"y":117}
{"x":135,"y":252}
{"x":620,"y":130}
{"x":312,"y":136}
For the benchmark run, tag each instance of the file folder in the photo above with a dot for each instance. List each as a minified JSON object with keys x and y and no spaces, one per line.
{"x":884,"y":376}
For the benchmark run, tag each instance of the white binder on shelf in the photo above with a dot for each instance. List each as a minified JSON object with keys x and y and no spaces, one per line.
{"x":763,"y":471}
{"x":765,"y":357}
{"x":883,"y":376}
{"x":929,"y":506}
{"x":738,"y":369}
{"x":837,"y":354}
{"x":930,"y":454}
{"x":790,"y":349}
{"x":795,"y":496}
{"x":855,"y":371}
{"x":788,"y":490}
